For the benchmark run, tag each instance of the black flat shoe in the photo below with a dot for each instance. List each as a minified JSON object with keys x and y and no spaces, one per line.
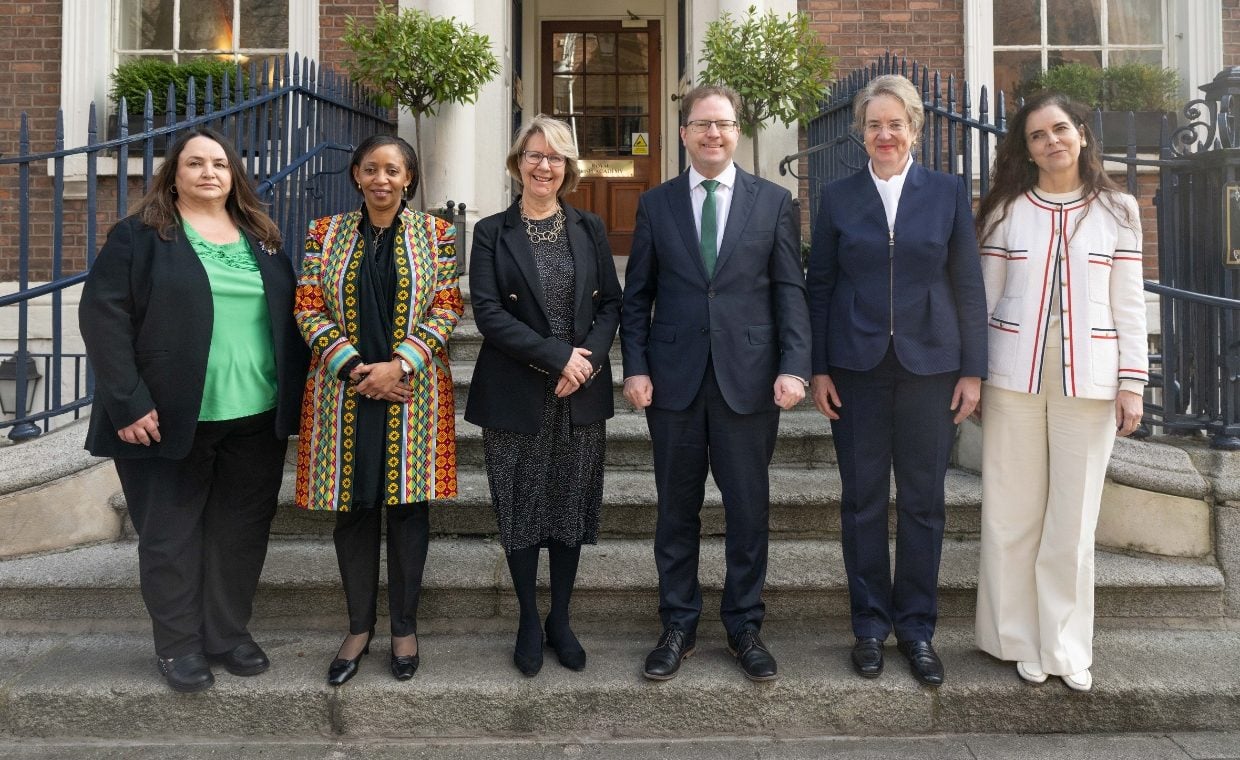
{"x":752,"y":655}
{"x":186,"y":674}
{"x":568,"y":650}
{"x":341,"y":670}
{"x":527,"y":655}
{"x":923,"y":661}
{"x":664,"y":660}
{"x":248,"y":659}
{"x":867,"y":657}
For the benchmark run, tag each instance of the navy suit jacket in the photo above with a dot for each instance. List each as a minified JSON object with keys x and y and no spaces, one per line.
{"x":924,"y":282}
{"x":750,"y":320}
{"x":518,"y":350}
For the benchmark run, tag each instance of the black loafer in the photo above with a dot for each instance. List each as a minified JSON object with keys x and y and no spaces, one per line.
{"x":187,"y":674}
{"x":753,"y":656}
{"x":867,"y":657}
{"x":248,"y":659}
{"x":923,"y":661}
{"x":404,"y":666}
{"x":664,"y":660}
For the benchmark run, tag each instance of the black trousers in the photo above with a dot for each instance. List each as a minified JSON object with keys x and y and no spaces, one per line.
{"x":892,"y":417}
{"x":202,"y":524}
{"x":737,"y":450}
{"x":357,"y":536}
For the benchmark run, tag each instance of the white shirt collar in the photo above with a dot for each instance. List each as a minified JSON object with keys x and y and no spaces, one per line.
{"x":727,"y":177}
{"x":897,"y":180}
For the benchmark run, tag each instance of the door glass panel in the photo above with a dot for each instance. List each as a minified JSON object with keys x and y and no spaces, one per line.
{"x":568,"y":51}
{"x":206,"y":24}
{"x":634,"y":94}
{"x":629,"y":125}
{"x":601,"y":93}
{"x":1017,"y":22}
{"x":633,"y":51}
{"x":568,"y":94}
{"x":598,"y":135}
{"x":1073,"y":22}
{"x":600,"y":52}
{"x":1135,"y":22}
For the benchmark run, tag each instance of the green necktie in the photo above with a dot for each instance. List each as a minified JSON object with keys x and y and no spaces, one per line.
{"x":709,"y":244}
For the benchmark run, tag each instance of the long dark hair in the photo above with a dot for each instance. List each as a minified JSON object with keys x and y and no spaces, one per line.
{"x":158,"y":208}
{"x":1015,"y":173}
{"x":406,"y":152}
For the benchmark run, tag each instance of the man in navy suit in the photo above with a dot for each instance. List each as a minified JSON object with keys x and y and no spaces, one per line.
{"x":716,"y":340}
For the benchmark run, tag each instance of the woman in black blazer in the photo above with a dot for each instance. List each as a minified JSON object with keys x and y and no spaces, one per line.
{"x":187,"y":317}
{"x":547,"y":302}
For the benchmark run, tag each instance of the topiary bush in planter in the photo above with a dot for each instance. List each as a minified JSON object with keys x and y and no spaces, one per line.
{"x":132,"y":79}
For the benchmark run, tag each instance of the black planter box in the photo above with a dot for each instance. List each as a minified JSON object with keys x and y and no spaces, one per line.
{"x":1147,"y":124}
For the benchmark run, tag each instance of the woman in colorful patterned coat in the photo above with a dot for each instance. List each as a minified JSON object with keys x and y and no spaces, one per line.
{"x":376,"y":301}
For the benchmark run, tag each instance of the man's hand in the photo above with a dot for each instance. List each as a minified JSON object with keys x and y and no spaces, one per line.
{"x":789,"y":391}
{"x":638,"y":391}
{"x":822,"y":388}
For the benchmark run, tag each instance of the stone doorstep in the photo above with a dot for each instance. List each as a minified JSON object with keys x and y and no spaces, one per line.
{"x":1146,"y":680}
{"x":467,"y":580}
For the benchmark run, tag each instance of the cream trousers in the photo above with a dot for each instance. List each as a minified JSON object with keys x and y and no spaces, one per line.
{"x":1044,"y":461}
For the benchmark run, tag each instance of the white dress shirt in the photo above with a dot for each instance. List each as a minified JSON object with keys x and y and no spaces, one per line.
{"x":723,"y":200}
{"x":889,"y":190}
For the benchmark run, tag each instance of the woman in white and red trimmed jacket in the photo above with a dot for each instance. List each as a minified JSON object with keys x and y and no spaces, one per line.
{"x":1061,"y":258}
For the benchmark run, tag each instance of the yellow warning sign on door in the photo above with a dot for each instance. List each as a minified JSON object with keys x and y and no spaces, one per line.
{"x":641,"y":143}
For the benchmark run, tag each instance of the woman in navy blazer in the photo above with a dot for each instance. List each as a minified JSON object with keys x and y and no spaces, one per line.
{"x":547,"y":302}
{"x":187,"y":317}
{"x":898,"y":313}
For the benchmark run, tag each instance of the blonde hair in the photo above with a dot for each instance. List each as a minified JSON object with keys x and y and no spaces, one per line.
{"x":897,"y":87}
{"x":559,"y":137}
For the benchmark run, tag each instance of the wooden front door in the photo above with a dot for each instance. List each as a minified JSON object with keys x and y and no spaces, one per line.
{"x":602,"y":77}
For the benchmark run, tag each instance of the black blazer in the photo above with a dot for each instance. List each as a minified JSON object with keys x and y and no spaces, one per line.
{"x":750,"y":320}
{"x":146,"y":316}
{"x":518,"y":351}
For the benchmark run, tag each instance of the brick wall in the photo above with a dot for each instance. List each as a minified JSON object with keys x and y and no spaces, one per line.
{"x":1231,"y":32}
{"x":859,"y":31}
{"x":332,"y":18}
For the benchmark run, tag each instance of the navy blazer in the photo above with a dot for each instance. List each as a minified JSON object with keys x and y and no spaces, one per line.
{"x":146,"y":316}
{"x":750,"y":320}
{"x":920,"y":287}
{"x":518,"y":350}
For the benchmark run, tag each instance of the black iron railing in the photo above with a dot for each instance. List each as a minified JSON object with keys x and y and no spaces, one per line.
{"x":294,"y":125}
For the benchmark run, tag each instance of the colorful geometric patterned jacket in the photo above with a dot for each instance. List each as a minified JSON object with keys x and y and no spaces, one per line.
{"x":421,"y":445}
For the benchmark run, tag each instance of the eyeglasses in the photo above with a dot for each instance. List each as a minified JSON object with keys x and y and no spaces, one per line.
{"x":534,"y":158}
{"x":704,"y":125}
{"x":894,"y":127}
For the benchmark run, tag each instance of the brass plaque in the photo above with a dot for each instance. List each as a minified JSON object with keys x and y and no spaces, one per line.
{"x":606,"y":168}
{"x":1231,"y":225}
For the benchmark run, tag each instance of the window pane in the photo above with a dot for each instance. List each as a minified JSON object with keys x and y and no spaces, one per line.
{"x":1153,"y":57}
{"x":1013,"y":70}
{"x":145,"y":25}
{"x":601,"y":93}
{"x":1134,"y":22}
{"x":568,"y":94}
{"x":206,"y":24}
{"x":264,"y":24}
{"x":1088,"y":57}
{"x":634,"y":94}
{"x":568,"y":52}
{"x":600,"y":52}
{"x":1073,"y":22}
{"x":1017,"y":22}
{"x":634,"y":52}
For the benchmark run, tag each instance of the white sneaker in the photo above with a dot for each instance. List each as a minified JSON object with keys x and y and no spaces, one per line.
{"x":1082,"y":681}
{"x":1031,"y":672}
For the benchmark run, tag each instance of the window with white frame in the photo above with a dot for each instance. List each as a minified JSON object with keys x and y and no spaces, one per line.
{"x":1031,"y":36}
{"x":179,"y":30}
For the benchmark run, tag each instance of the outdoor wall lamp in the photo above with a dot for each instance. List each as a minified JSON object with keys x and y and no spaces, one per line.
{"x":8,"y":384}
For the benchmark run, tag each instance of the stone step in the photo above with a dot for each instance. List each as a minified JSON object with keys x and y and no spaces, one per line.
{"x":804,"y":504}
{"x":804,"y":441}
{"x":466,"y":585}
{"x":104,"y":686}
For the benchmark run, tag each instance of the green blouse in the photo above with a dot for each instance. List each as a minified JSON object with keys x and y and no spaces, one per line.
{"x":241,"y":367}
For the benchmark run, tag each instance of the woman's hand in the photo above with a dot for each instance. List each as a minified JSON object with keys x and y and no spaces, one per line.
{"x":566,"y":387}
{"x":822,"y":388}
{"x":384,"y":381}
{"x":578,"y":368}
{"x":967,"y":396}
{"x":142,"y":431}
{"x":1128,"y":412}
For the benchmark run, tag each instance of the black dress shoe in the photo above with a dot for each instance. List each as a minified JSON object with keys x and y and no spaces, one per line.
{"x":867,"y":657}
{"x":923,"y":661}
{"x":754,"y":658}
{"x":567,"y":648}
{"x":248,"y":659}
{"x":186,"y":674}
{"x":664,"y":660}
{"x":404,"y":666}
{"x":341,"y":670}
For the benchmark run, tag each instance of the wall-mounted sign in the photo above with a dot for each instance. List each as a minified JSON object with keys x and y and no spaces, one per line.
{"x":1231,"y":224}
{"x":606,"y":168}
{"x":641,"y":143}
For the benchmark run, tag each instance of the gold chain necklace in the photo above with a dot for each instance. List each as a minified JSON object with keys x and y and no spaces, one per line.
{"x":549,"y":235}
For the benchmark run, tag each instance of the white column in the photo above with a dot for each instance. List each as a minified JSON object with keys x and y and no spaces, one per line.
{"x":85,"y":60}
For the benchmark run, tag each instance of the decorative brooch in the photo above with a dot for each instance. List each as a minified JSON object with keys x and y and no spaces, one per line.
{"x":268,"y":249}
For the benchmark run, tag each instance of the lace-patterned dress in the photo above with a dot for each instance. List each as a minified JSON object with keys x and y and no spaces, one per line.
{"x":548,"y":487}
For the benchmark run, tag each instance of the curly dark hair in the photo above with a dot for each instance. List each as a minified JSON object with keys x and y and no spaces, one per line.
{"x":1015,"y":173}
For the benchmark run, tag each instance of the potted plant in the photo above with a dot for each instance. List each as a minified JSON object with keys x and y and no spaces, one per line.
{"x":134,"y":78}
{"x":1147,"y":90}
